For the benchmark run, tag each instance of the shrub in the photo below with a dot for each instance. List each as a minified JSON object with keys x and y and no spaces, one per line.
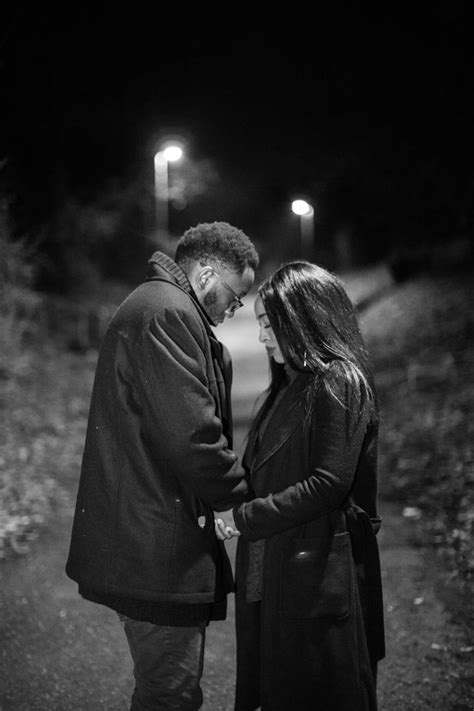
{"x":25,"y":493}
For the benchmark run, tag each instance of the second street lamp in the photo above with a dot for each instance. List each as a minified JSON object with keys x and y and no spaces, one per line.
{"x":306,"y":214}
{"x":169,"y":154}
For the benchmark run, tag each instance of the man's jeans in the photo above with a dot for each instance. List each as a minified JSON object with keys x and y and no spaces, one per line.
{"x":168,"y":664}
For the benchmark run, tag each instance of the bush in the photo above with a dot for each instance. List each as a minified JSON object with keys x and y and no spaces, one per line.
{"x":26,"y":494}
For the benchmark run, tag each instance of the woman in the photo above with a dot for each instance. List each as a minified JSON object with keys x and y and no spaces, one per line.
{"x":309,"y":614}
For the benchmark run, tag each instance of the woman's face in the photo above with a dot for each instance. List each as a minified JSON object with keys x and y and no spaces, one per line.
{"x":266,"y":335}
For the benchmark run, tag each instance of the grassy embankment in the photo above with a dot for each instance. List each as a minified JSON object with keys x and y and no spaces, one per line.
{"x":421,"y":337}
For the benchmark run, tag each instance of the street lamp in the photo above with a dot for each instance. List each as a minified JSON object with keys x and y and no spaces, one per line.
{"x":168,"y":154}
{"x":306,"y":214}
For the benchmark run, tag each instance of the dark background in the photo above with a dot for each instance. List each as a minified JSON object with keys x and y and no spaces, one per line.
{"x":366,"y":113}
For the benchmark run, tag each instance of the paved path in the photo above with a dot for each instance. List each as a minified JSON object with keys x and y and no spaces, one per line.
{"x":60,"y":653}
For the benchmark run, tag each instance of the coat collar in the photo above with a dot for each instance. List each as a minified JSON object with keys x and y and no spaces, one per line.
{"x":163,"y":268}
{"x":160,"y":266}
{"x":283,"y":421}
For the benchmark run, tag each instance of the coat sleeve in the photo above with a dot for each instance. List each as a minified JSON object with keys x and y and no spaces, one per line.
{"x":183,"y":420}
{"x":335,"y":435}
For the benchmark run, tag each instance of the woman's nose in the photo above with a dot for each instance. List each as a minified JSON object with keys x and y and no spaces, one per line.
{"x":262,"y":336}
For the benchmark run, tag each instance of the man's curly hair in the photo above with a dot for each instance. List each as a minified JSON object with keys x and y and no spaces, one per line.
{"x":217,"y":244}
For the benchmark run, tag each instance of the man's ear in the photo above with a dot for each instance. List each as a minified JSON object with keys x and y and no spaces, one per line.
{"x":204,"y":275}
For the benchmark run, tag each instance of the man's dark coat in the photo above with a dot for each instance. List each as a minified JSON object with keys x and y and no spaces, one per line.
{"x":157,"y":457}
{"x":319,"y":633}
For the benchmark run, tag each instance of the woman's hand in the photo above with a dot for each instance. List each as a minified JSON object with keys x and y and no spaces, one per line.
{"x":224,"y":526}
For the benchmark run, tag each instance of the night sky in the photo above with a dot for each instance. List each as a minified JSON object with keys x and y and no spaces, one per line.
{"x":274,"y":102}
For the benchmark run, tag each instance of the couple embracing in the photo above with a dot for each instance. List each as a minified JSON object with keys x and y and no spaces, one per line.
{"x":161,"y":488}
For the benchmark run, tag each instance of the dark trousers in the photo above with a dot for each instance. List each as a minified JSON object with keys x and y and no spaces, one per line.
{"x":167,"y":665}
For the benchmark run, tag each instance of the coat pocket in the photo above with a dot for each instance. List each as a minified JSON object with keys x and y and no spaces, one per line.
{"x":317,"y":578}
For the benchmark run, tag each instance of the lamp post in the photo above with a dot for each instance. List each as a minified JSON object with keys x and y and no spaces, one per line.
{"x":168,"y":154}
{"x":306,"y":214}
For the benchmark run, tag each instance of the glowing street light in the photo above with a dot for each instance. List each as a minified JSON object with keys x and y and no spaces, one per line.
{"x":168,"y":154}
{"x":305,"y":211}
{"x":172,"y":153}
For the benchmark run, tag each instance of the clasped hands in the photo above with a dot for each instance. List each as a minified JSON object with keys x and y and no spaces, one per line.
{"x":224,"y":525}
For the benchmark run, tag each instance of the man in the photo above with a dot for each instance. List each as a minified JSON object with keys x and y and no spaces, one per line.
{"x":158,"y":461}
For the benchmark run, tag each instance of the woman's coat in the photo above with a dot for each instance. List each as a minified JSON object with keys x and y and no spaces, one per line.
{"x":321,"y":622}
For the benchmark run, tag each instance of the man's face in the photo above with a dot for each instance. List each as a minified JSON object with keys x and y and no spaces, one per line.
{"x":223,"y":291}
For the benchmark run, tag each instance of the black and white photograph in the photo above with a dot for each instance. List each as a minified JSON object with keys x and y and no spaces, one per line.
{"x":236,"y":357}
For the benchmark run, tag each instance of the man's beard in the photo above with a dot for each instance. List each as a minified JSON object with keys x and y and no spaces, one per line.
{"x":209,"y":301}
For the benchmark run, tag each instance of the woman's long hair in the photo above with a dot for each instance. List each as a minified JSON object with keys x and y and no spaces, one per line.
{"x":315,"y":324}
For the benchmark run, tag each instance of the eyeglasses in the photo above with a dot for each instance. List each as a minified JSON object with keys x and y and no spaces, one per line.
{"x":237,"y":302}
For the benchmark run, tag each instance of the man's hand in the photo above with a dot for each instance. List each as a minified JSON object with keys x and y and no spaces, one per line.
{"x":224,"y":525}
